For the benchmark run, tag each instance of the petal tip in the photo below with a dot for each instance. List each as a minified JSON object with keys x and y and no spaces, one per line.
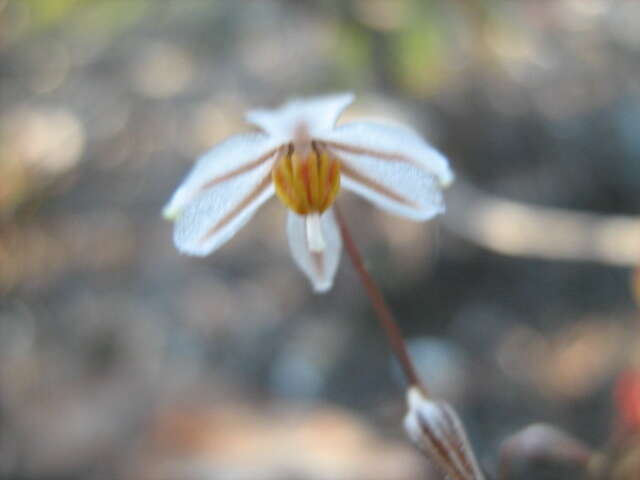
{"x":170,"y":213}
{"x":322,"y":286}
{"x":191,"y":250}
{"x":447,"y":178}
{"x":347,"y":97}
{"x":174,"y":207}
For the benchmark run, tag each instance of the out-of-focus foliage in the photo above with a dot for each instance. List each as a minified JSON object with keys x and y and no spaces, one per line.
{"x":420,"y":52}
{"x":95,"y":17}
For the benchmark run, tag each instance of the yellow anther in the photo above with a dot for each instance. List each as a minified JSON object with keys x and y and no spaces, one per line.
{"x":307,"y":185}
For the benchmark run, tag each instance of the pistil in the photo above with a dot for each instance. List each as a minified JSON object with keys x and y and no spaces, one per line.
{"x":315,"y":238}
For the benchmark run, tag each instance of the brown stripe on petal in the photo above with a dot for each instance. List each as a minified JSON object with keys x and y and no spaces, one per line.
{"x":396,"y":157}
{"x":375,"y":186}
{"x":243,"y":169}
{"x":251,"y":196}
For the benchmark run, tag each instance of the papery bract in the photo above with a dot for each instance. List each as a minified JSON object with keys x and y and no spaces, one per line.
{"x":434,"y":427}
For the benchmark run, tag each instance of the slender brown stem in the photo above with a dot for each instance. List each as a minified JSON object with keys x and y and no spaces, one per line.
{"x":385,"y":316}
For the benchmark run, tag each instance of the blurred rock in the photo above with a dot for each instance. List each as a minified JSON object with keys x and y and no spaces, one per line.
{"x":269,"y":443}
{"x":37,"y":146}
{"x":620,"y":463}
{"x":35,"y":256}
{"x":303,"y":366}
{"x":542,"y":451}
{"x":570,"y":363}
{"x":162,"y":70}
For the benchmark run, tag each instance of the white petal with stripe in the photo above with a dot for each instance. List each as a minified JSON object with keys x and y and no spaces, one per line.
{"x":216,"y":214}
{"x":319,"y":266}
{"x":392,"y":143}
{"x":400,"y":188}
{"x":232,"y":157}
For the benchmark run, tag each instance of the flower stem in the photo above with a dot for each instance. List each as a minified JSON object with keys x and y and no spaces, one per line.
{"x":380,"y":306}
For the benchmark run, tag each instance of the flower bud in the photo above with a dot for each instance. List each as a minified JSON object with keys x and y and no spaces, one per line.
{"x":436,"y":430}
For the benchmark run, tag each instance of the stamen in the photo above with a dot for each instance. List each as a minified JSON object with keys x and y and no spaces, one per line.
{"x":307,"y":183}
{"x":315,"y":239}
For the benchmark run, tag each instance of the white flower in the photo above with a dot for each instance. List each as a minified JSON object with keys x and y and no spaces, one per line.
{"x":304,"y":159}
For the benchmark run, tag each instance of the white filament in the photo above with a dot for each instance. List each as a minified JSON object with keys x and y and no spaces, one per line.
{"x":315,"y":239}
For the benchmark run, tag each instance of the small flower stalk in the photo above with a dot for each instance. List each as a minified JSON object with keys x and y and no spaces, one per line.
{"x":304,"y":159}
{"x":436,"y":430}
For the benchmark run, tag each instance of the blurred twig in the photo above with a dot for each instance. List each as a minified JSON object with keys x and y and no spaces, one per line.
{"x":515,"y":228}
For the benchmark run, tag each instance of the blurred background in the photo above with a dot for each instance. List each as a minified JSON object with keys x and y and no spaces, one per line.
{"x":119,"y":358}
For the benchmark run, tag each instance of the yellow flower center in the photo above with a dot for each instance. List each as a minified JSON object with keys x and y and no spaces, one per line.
{"x":307,"y":184}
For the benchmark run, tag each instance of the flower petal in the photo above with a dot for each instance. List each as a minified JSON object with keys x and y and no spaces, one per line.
{"x":390,"y":143}
{"x":319,"y":266}
{"x":318,"y":114}
{"x":232,"y":157}
{"x":216,"y":214}
{"x":400,"y":188}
